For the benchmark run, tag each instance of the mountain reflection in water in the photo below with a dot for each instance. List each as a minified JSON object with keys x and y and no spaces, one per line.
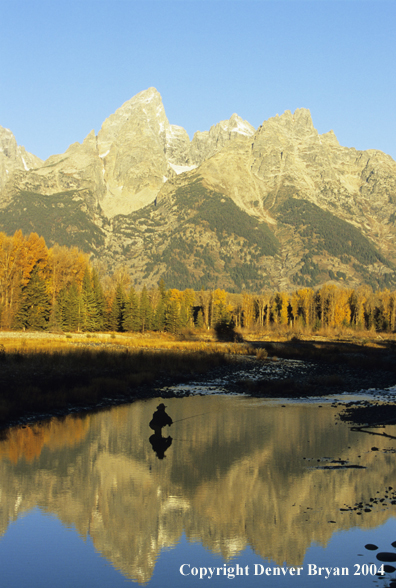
{"x":242,"y":473}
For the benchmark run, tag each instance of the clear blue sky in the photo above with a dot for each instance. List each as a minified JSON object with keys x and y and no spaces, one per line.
{"x":67,"y":65}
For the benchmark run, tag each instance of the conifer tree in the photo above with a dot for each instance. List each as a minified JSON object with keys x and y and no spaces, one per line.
{"x":35,"y":305}
{"x":117,"y":310}
{"x":59,"y":308}
{"x":131,"y":312}
{"x":158,"y":320}
{"x":184,"y":315}
{"x":69,"y":308}
{"x":90,"y":318}
{"x":172,"y":316}
{"x":162,"y":289}
{"x":159,"y":315}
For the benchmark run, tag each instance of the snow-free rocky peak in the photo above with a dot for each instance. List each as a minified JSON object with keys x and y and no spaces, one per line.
{"x":13,"y":157}
{"x":207,"y":143}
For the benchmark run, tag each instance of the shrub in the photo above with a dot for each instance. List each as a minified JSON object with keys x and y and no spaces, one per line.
{"x":261,"y":353}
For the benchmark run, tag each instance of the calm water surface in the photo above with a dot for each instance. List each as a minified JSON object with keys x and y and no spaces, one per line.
{"x":243,"y":482}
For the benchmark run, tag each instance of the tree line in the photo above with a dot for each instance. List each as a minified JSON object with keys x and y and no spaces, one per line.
{"x":59,"y":288}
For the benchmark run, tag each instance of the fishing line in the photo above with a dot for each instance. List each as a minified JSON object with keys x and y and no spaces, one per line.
{"x":190,"y":417}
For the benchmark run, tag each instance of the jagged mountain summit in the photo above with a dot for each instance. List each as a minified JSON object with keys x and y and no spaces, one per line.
{"x":126,"y":164}
{"x":13,"y":157}
{"x":235,"y":207}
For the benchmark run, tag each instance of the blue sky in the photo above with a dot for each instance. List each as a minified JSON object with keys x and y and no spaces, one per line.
{"x":67,"y":65}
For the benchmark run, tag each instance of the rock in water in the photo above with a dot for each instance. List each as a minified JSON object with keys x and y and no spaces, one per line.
{"x":386,"y":556}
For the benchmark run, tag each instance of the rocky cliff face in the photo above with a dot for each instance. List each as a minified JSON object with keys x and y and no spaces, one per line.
{"x":206,"y":144}
{"x":235,"y":208}
{"x":137,"y":148}
{"x":13,"y":157}
{"x":126,"y":164}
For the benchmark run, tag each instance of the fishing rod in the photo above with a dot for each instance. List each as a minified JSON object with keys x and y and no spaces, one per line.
{"x":190,"y":417}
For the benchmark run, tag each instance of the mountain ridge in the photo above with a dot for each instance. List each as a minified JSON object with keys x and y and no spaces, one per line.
{"x":144,"y":189}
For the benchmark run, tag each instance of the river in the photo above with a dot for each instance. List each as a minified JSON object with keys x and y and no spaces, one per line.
{"x":241,"y":491}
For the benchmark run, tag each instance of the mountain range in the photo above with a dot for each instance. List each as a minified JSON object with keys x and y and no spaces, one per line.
{"x":235,"y":208}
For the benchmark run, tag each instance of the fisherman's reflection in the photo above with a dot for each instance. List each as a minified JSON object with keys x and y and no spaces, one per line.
{"x":159,"y":443}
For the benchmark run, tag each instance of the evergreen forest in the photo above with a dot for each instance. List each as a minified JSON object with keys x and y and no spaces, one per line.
{"x":58,"y":289}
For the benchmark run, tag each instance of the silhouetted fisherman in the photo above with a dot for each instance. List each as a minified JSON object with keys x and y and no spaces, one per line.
{"x":160,"y":419}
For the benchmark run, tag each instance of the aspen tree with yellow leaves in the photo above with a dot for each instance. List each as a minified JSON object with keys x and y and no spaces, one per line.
{"x":392,"y":312}
{"x":385,"y":313}
{"x":35,"y":254}
{"x":283,"y":299}
{"x":65,"y":266}
{"x":369,"y":310}
{"x":342,"y":310}
{"x":357,"y":301}
{"x":11,"y":259}
{"x":204,"y":301}
{"x":274,"y":309}
{"x":221,"y":310}
{"x":260,"y":304}
{"x":248,"y":310}
{"x":327,"y":304}
{"x":295,"y":307}
{"x":307,"y":305}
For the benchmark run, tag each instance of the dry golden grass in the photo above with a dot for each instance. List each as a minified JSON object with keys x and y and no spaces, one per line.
{"x":46,"y":372}
{"x":40,"y":342}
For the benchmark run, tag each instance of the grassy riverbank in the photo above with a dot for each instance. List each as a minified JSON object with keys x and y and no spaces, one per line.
{"x":47,"y":373}
{"x":43,"y":373}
